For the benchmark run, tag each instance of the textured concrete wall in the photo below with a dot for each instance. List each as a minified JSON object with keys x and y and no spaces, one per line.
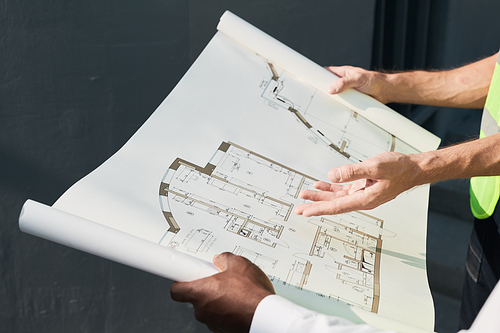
{"x":77,"y":79}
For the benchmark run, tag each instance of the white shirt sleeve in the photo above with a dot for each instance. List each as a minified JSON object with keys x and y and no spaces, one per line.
{"x":274,"y":314}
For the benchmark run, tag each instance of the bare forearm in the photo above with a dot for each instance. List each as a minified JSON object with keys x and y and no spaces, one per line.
{"x":379,"y":179}
{"x":470,"y":159}
{"x":465,"y":87}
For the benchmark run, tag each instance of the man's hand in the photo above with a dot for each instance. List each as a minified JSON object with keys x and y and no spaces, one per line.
{"x":463,"y":87}
{"x":226,"y":301}
{"x":371,"y":83}
{"x":375,"y":181}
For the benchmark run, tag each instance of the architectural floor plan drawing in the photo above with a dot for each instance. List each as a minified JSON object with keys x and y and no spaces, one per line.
{"x":218,"y":167}
{"x":338,"y":130}
{"x":246,"y":200}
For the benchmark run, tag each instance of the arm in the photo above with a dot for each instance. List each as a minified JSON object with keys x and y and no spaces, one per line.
{"x":464,"y":87}
{"x":383,"y":177}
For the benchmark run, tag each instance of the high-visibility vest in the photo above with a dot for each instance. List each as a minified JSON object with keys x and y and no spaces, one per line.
{"x":485,"y":191}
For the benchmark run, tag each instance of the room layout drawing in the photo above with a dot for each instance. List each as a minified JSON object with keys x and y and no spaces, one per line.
{"x":334,"y":129}
{"x":245,"y":202}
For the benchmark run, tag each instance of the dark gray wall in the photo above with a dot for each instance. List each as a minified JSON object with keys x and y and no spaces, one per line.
{"x":77,"y":79}
{"x":463,"y":31}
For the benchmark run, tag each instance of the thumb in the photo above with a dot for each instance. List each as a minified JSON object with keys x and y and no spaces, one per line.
{"x":338,"y":86}
{"x":222,"y":261}
{"x":348,"y":173}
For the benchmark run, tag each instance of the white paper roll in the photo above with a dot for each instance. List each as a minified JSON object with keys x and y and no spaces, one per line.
{"x":73,"y":231}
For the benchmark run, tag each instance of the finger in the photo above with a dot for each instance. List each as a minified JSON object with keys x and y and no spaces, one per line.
{"x":300,"y":208}
{"x":349,"y":77}
{"x":338,"y":206}
{"x":340,"y":71}
{"x":349,"y":173}
{"x":324,"y":186}
{"x":340,"y":84}
{"x":358,"y":185}
{"x":181,"y":291}
{"x":222,"y":261}
{"x":337,"y":86}
{"x":321,"y":195}
{"x":321,"y":184}
{"x":317,"y":208}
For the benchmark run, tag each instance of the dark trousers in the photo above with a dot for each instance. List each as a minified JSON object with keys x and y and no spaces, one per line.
{"x":482,"y":267}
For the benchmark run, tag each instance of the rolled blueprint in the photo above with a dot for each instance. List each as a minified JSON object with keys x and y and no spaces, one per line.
{"x":58,"y":226}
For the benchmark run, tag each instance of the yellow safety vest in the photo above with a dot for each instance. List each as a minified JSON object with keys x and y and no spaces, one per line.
{"x":485,"y":191}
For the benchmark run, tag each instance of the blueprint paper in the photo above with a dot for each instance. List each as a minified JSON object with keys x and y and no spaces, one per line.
{"x":219,"y":165}
{"x":320,"y":78}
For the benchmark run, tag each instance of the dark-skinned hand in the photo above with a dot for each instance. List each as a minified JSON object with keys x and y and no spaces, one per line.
{"x":226,"y":301}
